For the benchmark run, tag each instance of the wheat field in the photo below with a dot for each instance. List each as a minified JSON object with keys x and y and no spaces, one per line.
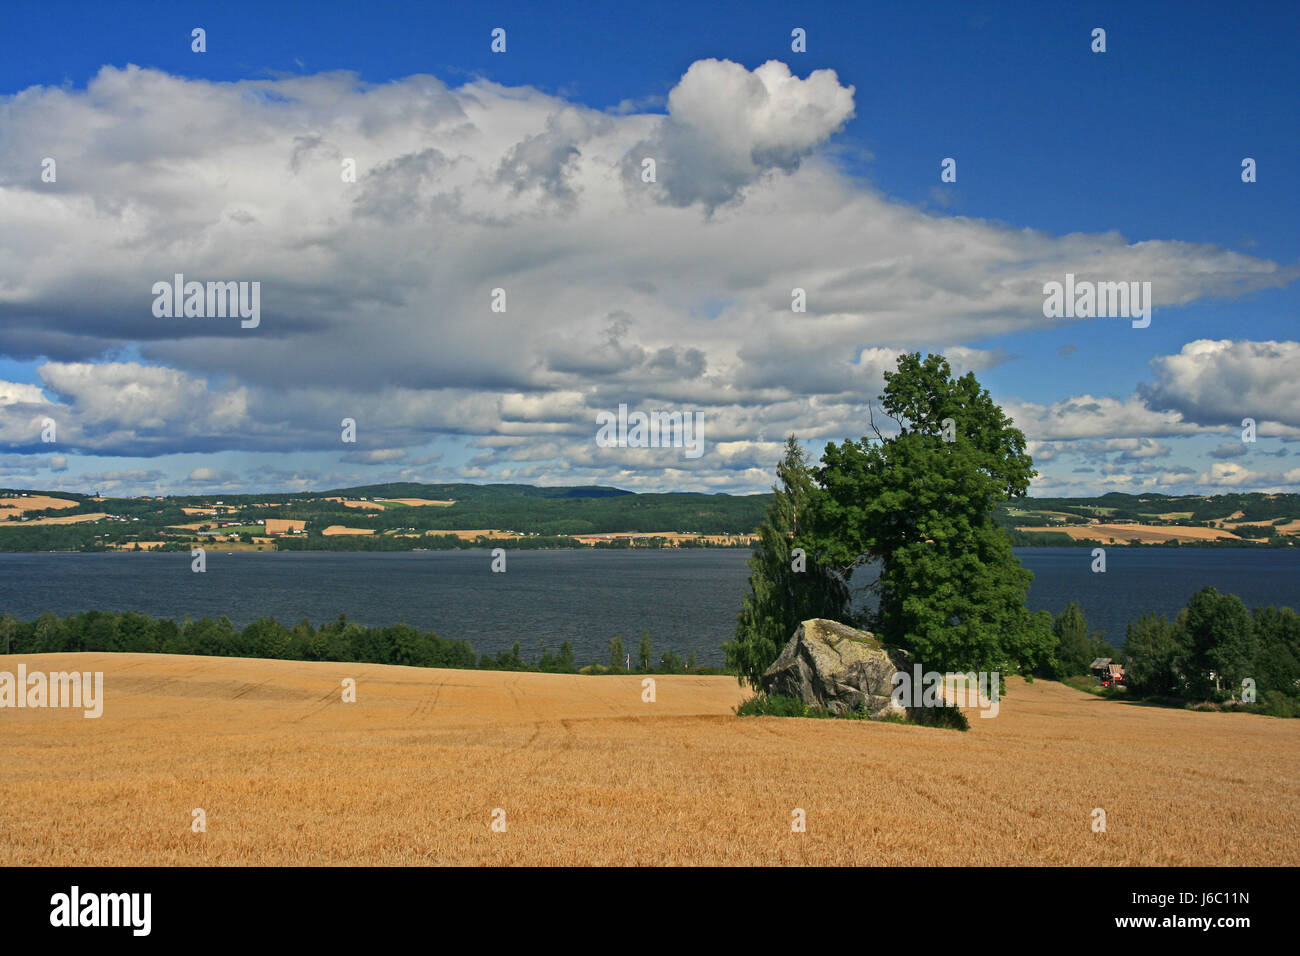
{"x":585,"y":772}
{"x":18,"y":505}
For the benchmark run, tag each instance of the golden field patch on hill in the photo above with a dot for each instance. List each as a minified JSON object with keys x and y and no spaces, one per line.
{"x":672,"y":537}
{"x":1145,"y":533}
{"x":354,"y":503}
{"x":284,"y":525}
{"x":479,"y":533}
{"x":587,"y":773}
{"x":337,"y":529}
{"x":423,"y":502}
{"x":20,"y":505}
{"x":61,"y":519}
{"x":378,"y":503}
{"x":1290,"y":527}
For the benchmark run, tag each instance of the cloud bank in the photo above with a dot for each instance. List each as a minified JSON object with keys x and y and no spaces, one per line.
{"x":377,"y":293}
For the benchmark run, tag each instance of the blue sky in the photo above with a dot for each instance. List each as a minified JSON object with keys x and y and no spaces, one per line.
{"x":1140,"y":144}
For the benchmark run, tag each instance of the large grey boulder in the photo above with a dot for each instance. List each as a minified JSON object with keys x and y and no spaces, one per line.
{"x":833,"y":666}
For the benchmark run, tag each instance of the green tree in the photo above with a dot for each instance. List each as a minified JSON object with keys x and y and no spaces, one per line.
{"x":267,"y":637}
{"x":617,"y":653}
{"x":1038,"y":655}
{"x":1076,"y":647}
{"x":645,"y":654}
{"x":408,"y":646}
{"x":52,"y":635}
{"x":787,"y":584}
{"x":1220,"y":642}
{"x":511,"y":660}
{"x":166,"y":637}
{"x":136,"y":633}
{"x":1073,"y":647}
{"x":950,"y":589}
{"x":302,"y":644}
{"x":176,"y":639}
{"x":101,"y":632}
{"x":1154,"y":657}
{"x":1277,"y":656}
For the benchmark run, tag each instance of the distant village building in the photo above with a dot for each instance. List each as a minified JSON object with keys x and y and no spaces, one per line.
{"x":1107,"y":671}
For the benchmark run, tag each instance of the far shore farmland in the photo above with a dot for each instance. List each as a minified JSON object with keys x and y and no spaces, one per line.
{"x":413,"y":516}
{"x":400,"y":519}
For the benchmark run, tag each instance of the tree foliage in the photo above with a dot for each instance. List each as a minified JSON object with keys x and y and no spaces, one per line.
{"x":787,"y":582}
{"x":645,"y":653}
{"x":950,"y":589}
{"x":1219,"y":640}
{"x":1076,"y":647}
{"x":337,"y":640}
{"x":1154,"y":657}
{"x":1212,"y":648}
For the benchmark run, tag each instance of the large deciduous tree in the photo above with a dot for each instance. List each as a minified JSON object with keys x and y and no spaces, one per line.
{"x":920,"y":502}
{"x":1155,"y":657}
{"x":1220,"y":642}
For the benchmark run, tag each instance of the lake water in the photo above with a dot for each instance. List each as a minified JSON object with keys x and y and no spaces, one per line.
{"x":686,"y":599}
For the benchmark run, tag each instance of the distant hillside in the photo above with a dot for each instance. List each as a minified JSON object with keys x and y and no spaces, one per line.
{"x":468,"y":492}
{"x":409,"y":515}
{"x":394,"y":516}
{"x":1230,"y":520}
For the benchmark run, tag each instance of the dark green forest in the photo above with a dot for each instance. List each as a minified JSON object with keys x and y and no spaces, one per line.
{"x":340,"y":640}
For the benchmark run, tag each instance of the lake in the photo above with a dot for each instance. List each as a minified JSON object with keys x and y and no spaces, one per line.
{"x":687,"y":599}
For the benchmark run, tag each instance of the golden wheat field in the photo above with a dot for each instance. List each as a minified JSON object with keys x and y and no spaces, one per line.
{"x":588,"y":773}
{"x":1146,"y":533}
{"x":65,"y":519}
{"x":14,"y":504}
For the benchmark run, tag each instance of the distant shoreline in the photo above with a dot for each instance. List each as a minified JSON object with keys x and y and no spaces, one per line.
{"x":514,"y":545}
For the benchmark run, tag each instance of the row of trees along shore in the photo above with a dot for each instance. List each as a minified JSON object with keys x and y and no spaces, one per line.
{"x":1203,"y":653}
{"x":339,"y":640}
{"x":951,"y":592}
